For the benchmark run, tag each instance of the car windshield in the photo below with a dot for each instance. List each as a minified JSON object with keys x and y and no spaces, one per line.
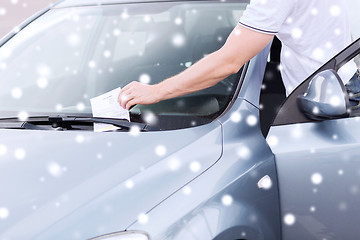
{"x":69,"y":55}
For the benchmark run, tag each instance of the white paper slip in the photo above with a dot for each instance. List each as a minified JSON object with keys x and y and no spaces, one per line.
{"x":107,"y":106}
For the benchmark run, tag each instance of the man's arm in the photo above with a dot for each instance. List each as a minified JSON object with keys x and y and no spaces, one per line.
{"x":242,"y":45}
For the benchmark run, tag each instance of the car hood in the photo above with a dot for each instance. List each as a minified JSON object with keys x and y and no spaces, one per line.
{"x":47,"y":177}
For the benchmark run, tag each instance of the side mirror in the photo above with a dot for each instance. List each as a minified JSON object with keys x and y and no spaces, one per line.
{"x":325,"y":97}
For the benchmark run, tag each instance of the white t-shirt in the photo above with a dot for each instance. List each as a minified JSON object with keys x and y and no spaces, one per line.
{"x":311,"y":32}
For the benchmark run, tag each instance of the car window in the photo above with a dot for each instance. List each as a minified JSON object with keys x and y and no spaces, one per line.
{"x":69,"y":55}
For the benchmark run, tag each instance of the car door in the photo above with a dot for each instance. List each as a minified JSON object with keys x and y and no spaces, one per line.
{"x":318,"y":165}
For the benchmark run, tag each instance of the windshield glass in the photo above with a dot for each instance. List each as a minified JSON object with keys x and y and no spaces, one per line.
{"x":69,"y":55}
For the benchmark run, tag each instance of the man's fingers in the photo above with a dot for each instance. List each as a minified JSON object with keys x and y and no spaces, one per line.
{"x":130,"y":103}
{"x":124,"y":98}
{"x":136,"y":93}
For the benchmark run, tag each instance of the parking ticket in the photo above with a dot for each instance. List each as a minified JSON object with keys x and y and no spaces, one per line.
{"x":107,"y":106}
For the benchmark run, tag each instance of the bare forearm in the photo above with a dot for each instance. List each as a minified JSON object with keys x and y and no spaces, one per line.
{"x":203,"y":74}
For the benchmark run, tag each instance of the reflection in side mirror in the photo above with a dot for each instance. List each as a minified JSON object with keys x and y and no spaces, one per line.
{"x":325,"y":98}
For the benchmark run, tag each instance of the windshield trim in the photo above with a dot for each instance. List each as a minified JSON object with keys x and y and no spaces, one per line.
{"x":87,"y":3}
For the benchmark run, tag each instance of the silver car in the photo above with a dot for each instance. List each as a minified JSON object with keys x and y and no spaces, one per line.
{"x":237,"y":161}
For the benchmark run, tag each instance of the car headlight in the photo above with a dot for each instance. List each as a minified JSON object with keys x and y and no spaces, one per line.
{"x":125,"y":235}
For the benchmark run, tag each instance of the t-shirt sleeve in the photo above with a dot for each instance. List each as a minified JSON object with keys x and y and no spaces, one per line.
{"x":267,"y":16}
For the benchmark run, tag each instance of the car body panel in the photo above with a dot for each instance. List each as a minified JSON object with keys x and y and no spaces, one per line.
{"x":60,"y":184}
{"x":205,"y":212}
{"x":318,"y":170}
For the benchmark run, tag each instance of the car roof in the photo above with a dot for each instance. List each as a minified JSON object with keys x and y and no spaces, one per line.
{"x":73,"y":3}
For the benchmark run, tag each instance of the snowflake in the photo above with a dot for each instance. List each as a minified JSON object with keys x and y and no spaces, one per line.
{"x":160,"y":150}
{"x":329,"y":45}
{"x":116,"y":32}
{"x":91,"y":64}
{"x":227,"y":200}
{"x":107,"y":54}
{"x":237,"y":32}
{"x":174,"y":164}
{"x":289,"y":20}
{"x":42,"y":82}
{"x":4,"y":213}
{"x":178,"y":21}
{"x":79,"y":138}
{"x":314,"y":11}
{"x":43,"y":70}
{"x":296,"y":132}
{"x":129,"y":184}
{"x":150,"y":117}
{"x":318,"y":54}
{"x":287,"y":54}
{"x":335,"y":101}
{"x":235,"y":117}
{"x":58,"y":107}
{"x":55,"y":169}
{"x":316,"y":178}
{"x":143,"y":218}
{"x":195,"y":166}
{"x":16,"y":93}
{"x":243,"y":152}
{"x":2,"y":11}
{"x":23,"y":116}
{"x":337,"y":31}
{"x":187,"y":190}
{"x":3,"y":149}
{"x":296,"y":33}
{"x":316,"y":110}
{"x":134,"y":130}
{"x":178,"y":40}
{"x":145,"y":78}
{"x":125,"y":15}
{"x":289,"y":219}
{"x":73,"y":40}
{"x":335,"y":10}
{"x":251,"y":120}
{"x":80,"y":106}
{"x":147,"y":18}
{"x":20,"y":153}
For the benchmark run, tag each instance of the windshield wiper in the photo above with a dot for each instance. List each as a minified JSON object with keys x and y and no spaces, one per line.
{"x":66,"y":122}
{"x":122,"y":123}
{"x":20,"y":125}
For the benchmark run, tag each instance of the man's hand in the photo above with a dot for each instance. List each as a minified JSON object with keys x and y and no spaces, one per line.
{"x":137,"y":93}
